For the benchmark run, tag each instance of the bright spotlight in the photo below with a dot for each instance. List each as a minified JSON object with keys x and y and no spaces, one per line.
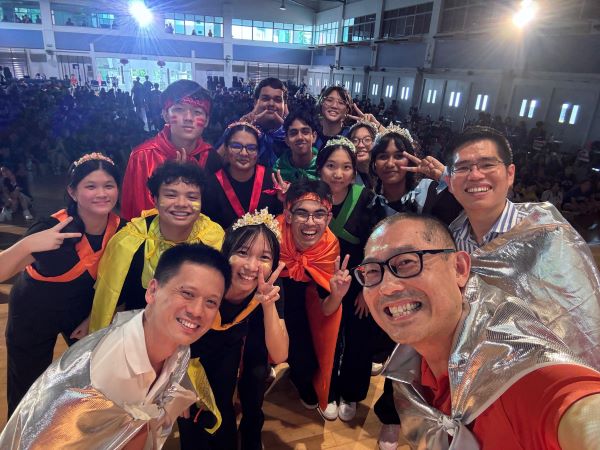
{"x":140,"y":12}
{"x":526,"y":13}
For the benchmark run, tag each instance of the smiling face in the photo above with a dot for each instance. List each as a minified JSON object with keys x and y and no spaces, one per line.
{"x":247,"y":259}
{"x":363,"y":141}
{"x":300,"y":138}
{"x":242,"y":159}
{"x":388,"y":165}
{"x":186,"y":122}
{"x":95,"y":194}
{"x":334,"y":108}
{"x":481,"y":192}
{"x":178,"y":204}
{"x":423,"y":309}
{"x":338,"y":171}
{"x":272,"y":101}
{"x":182,"y":309}
{"x":307,"y":233}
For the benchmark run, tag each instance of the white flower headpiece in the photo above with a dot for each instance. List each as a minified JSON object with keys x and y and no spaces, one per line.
{"x":341,"y":141}
{"x":257,"y":218}
{"x":392,"y":128}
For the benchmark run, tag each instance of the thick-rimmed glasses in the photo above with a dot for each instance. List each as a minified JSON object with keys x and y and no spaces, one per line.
{"x":484,"y":165}
{"x":237,"y":147}
{"x":401,"y":265}
{"x":302,"y":216}
{"x":366,"y":141}
{"x":332,"y":101}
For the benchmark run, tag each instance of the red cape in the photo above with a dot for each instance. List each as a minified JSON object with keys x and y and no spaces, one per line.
{"x":146,"y":157}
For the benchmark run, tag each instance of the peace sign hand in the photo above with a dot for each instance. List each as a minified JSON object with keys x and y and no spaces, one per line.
{"x":428,"y":166}
{"x":181,"y":155}
{"x":267,"y":293}
{"x":280,"y":185}
{"x":49,"y":239}
{"x":340,"y":282}
{"x":365,"y":117}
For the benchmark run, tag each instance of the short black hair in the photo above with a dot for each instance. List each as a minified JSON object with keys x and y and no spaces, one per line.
{"x":274,"y":83}
{"x":435,"y":231}
{"x":236,"y":239}
{"x":326,"y":152}
{"x":478,"y":133}
{"x":183,"y":88}
{"x":171,"y":171}
{"x":173,"y":258}
{"x":342,"y":92}
{"x":305,"y":186}
{"x":303,"y":115}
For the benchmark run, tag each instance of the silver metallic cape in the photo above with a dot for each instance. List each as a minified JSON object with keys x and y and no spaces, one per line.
{"x":62,"y":410}
{"x":534,"y":302}
{"x":499,"y":340}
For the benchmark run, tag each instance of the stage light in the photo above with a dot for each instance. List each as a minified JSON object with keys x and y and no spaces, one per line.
{"x":526,"y":13}
{"x":140,"y":12}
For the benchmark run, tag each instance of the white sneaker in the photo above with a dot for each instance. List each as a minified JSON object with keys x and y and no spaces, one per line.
{"x":376,"y":369}
{"x":388,"y":437}
{"x":331,"y":412}
{"x":27,"y":214}
{"x":347,"y":410}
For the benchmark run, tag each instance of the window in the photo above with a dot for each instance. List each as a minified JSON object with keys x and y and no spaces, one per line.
{"x":325,"y":83}
{"x":347,"y":85}
{"x":278,"y":32}
{"x":574,"y":113}
{"x":409,"y":21}
{"x":463,"y":15}
{"x":457,"y":100}
{"x":359,"y":28}
{"x":451,"y":102}
{"x":194,"y":25}
{"x":568,"y":110}
{"x":310,"y":81}
{"x":357,"y":87}
{"x":523,"y":107}
{"x":326,"y":33}
{"x":431,"y":95}
{"x":26,"y":12}
{"x":318,"y":82}
{"x":389,"y":91}
{"x":404,"y":93}
{"x":563,"y":112}
{"x":375,"y":89}
{"x":481,"y":102}
{"x":532,"y":106}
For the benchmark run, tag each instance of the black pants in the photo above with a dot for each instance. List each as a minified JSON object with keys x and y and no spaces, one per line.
{"x":33,"y":325}
{"x":301,"y":355}
{"x":384,"y":408}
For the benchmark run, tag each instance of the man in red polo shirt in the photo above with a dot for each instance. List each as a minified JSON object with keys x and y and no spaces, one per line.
{"x":186,"y":110}
{"x":479,"y":368}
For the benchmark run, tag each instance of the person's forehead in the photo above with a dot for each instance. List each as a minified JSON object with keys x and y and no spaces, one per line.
{"x":180,"y":186}
{"x":334,"y":93}
{"x":477,"y":149}
{"x":308,"y":205}
{"x":271,"y":92}
{"x":298,"y":124}
{"x":194,"y":276}
{"x":404,"y":235}
{"x":361,"y":132}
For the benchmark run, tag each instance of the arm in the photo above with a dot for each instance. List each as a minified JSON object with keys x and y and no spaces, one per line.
{"x":134,"y":192}
{"x":579,"y":427}
{"x":339,"y":285}
{"x":276,"y":337}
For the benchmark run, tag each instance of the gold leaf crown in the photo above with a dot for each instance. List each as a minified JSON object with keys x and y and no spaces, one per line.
{"x":246,"y":124}
{"x":341,"y":141}
{"x":392,"y":128}
{"x":364,"y":123}
{"x":95,"y":156}
{"x":257,"y":218}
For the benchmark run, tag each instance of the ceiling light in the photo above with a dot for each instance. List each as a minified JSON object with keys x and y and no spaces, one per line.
{"x":282,"y":7}
{"x":526,"y":13}
{"x":140,"y":12}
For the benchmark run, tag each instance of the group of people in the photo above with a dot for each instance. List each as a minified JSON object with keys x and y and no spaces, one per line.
{"x":300,"y":238}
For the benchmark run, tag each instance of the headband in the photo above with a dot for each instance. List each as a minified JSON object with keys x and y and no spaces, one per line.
{"x":310,"y":196}
{"x":95,"y":156}
{"x":188,"y":100}
{"x":246,"y":124}
{"x":257,"y":218}
{"x":391,"y":128}
{"x":341,"y":141}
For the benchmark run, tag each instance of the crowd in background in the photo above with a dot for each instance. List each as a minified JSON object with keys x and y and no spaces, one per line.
{"x":45,"y":124}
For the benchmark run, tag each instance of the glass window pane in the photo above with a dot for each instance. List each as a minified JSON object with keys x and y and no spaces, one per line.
{"x":574,"y":113}
{"x":523,"y":107}
{"x":563,"y":112}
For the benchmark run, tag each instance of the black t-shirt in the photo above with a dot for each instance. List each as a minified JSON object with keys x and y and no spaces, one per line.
{"x":213,"y":162}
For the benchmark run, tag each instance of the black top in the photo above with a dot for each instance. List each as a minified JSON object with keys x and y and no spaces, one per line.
{"x":216,"y":205}
{"x":213,"y":162}
{"x":133,"y":294}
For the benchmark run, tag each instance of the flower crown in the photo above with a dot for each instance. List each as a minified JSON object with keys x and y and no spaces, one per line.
{"x":246,"y":124}
{"x":257,"y":218}
{"x":364,"y":123}
{"x":95,"y":156}
{"x":341,"y":141}
{"x":392,"y":128}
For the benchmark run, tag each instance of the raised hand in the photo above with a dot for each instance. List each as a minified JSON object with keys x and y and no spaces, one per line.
{"x":181,"y":155}
{"x":82,"y":330}
{"x":267,"y":293}
{"x":361,"y":310}
{"x":428,"y":166}
{"x":365,"y":117}
{"x":340,"y":282}
{"x":280,"y":185}
{"x":49,"y":239}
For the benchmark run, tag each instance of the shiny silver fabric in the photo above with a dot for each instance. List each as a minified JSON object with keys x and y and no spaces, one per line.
{"x":499,"y":340}
{"x":62,"y":410}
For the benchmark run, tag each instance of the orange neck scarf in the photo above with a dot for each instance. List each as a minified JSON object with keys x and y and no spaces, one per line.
{"x":317,"y":260}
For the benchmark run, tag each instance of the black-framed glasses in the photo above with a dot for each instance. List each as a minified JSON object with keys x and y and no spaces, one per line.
{"x":302,"y":216}
{"x":367,"y":140}
{"x":237,"y":147}
{"x":484,"y":165}
{"x":401,"y":265}
{"x":332,"y":101}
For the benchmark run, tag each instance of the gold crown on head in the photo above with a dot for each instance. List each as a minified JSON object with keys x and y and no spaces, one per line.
{"x":341,"y":141}
{"x":95,"y":156}
{"x":392,"y":128}
{"x":257,"y":218}
{"x":246,"y":124}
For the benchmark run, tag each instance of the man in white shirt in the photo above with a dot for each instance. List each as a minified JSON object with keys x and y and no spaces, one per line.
{"x":122,"y":387}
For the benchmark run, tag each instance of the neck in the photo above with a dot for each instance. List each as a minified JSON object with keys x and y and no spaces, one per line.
{"x":158,"y":349}
{"x":482,"y":221}
{"x":331,"y":128}
{"x":302,"y":161}
{"x":436,"y":353}
{"x":174,"y":234}
{"x":94,"y":224}
{"x":188,"y":145}
{"x":235,"y":294}
{"x":394,"y":192}
{"x":240,"y":175}
{"x":339,"y":197}
{"x":363,"y":166}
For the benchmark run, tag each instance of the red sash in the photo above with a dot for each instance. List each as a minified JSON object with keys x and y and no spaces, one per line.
{"x":202,"y":157}
{"x":259,"y":176}
{"x":88,"y":259}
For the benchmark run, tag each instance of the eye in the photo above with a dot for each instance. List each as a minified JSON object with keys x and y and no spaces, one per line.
{"x":330,"y":166}
{"x":266,"y":257}
{"x":347,"y":168}
{"x":242,"y":252}
{"x":187,"y":294}
{"x":212,"y":303}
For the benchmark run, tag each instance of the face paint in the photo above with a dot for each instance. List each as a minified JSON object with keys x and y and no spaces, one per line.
{"x":195,"y":206}
{"x":200,"y":122}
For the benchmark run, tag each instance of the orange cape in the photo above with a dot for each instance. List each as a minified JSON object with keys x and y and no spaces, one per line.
{"x":318,"y":262}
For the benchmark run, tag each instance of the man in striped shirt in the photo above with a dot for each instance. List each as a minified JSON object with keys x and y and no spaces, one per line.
{"x":481,"y":173}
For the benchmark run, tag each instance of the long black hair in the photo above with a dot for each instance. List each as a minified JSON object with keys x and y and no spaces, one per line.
{"x":242,"y":236}
{"x":328,"y":150}
{"x":403,"y":145}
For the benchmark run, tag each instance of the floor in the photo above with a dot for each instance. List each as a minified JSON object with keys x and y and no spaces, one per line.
{"x":287,"y":424}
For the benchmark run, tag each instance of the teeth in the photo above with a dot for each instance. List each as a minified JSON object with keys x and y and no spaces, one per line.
{"x":180,"y":214}
{"x":478,"y":189}
{"x":188,"y":324}
{"x":247,"y":277}
{"x":404,"y":310}
{"x":309,"y":233}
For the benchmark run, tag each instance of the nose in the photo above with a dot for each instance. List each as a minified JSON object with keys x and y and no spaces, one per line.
{"x":337,"y":173}
{"x":251,"y":264}
{"x":188,"y":115}
{"x":180,"y":200}
{"x":475,"y":173}
{"x":196,"y":308}
{"x":311,"y":217}
{"x":391,"y":284}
